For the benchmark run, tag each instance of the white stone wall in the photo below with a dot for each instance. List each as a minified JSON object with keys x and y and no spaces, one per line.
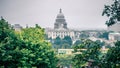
{"x":62,"y":33}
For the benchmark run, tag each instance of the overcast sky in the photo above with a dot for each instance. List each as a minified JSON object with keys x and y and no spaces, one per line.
{"x":78,"y":13}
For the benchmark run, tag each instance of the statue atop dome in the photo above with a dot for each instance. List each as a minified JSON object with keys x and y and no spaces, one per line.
{"x":60,"y":10}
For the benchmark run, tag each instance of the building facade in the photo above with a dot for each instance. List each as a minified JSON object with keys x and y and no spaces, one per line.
{"x":61,"y":29}
{"x":17,"y":27}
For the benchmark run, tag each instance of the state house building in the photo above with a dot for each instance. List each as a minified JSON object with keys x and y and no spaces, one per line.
{"x":61,"y":29}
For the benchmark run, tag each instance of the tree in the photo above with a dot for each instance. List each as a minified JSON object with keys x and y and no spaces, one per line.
{"x":10,"y":54}
{"x":64,"y":60}
{"x":57,"y":42}
{"x":85,"y":51}
{"x":77,"y":42}
{"x":112,"y":12}
{"x":112,"y":58}
{"x":26,"y":48}
{"x":84,"y":34}
{"x":105,"y":35}
{"x":4,"y":26}
{"x":68,"y":40}
{"x":37,"y":52}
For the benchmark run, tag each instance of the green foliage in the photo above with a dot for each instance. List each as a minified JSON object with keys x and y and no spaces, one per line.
{"x":92,"y":50}
{"x":64,"y":60}
{"x":85,"y":51}
{"x":57,"y":41}
{"x":112,"y":12}
{"x":84,"y":34}
{"x":26,"y":48}
{"x":10,"y":54}
{"x":105,"y":35}
{"x":36,"y":50}
{"x":34,"y":35}
{"x":66,"y":42}
{"x":4,"y":26}
{"x":77,"y":42}
{"x":112,"y":58}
